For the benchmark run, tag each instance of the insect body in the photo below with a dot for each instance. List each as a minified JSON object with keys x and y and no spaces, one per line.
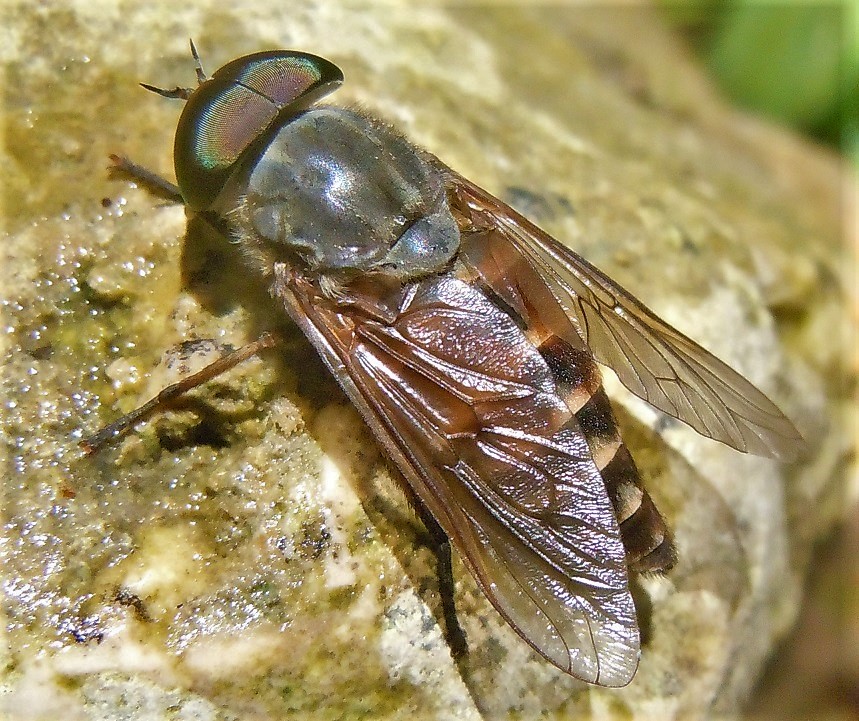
{"x":468,"y":339}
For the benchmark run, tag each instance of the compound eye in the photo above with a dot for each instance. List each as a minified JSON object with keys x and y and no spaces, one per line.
{"x":241,"y":103}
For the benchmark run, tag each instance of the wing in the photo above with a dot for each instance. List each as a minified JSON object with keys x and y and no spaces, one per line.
{"x":468,"y":410}
{"x":652,"y":359}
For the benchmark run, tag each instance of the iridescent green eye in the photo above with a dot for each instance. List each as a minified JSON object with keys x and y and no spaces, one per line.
{"x":237,"y":106}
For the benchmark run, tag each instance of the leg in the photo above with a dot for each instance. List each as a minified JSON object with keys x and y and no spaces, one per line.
{"x":120,"y":427}
{"x":151,"y":181}
{"x":455,"y":636}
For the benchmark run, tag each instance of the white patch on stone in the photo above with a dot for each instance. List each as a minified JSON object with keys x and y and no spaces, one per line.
{"x":120,"y":650}
{"x":413,"y":649}
{"x":340,"y":504}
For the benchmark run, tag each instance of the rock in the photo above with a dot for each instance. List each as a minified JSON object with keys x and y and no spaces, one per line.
{"x":250,"y":554}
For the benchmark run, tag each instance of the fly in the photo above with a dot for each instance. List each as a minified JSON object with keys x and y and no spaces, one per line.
{"x":468,"y":339}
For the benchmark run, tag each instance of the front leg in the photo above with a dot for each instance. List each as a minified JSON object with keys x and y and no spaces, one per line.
{"x":153,"y":182}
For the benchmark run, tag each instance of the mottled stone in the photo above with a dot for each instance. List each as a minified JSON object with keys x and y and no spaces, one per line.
{"x":248,"y":554}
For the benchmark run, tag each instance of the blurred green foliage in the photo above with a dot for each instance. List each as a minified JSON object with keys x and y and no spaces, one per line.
{"x":796,"y":62}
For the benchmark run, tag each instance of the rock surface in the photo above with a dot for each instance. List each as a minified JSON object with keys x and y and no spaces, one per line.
{"x":249,"y":555}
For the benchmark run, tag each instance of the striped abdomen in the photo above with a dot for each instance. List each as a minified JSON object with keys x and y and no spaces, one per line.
{"x":645,"y":534}
{"x":514,"y":285}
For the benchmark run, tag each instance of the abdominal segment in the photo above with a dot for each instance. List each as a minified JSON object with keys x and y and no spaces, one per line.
{"x":509,"y":278}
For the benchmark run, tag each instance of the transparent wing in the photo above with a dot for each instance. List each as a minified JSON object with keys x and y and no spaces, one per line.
{"x":465,"y":406}
{"x":652,"y":359}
